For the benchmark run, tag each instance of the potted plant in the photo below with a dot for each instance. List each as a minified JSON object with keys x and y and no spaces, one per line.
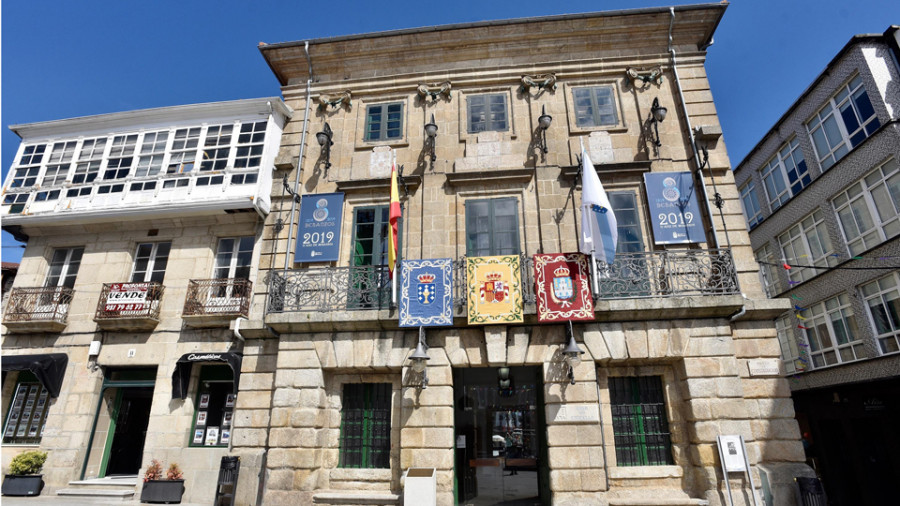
{"x":24,"y":476}
{"x":166,"y":489}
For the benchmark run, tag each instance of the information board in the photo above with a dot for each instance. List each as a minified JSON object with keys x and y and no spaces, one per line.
{"x":319,"y":229}
{"x":674,"y":210}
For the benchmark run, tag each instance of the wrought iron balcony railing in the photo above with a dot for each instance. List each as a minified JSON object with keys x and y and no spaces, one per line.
{"x":632,"y":275}
{"x":38,"y":304}
{"x":218,"y":297}
{"x":129,"y":301}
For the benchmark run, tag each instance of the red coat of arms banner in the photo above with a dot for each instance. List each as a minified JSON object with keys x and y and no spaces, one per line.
{"x":562,"y":285}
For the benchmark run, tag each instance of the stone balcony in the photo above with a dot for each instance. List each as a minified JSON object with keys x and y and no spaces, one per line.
{"x":38,"y":309}
{"x":216,"y":302}
{"x":129,"y":306}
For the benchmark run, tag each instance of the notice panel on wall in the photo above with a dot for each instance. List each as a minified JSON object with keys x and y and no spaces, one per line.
{"x":319,"y":229}
{"x":674,"y":210}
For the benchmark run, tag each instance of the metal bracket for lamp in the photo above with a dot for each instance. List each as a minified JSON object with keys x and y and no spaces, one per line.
{"x":420,"y":357}
{"x":325,"y":140}
{"x":335,"y":101}
{"x":434,"y":90}
{"x":644,"y":76}
{"x":572,"y":353}
{"x":541,"y":81}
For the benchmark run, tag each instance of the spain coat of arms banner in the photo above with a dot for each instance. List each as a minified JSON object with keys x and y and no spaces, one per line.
{"x":426,"y":292}
{"x":495,"y":289}
{"x":562,"y":286}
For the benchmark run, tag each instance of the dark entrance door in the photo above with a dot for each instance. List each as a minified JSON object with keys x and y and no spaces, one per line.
{"x":131,"y":417}
{"x":500,"y":448}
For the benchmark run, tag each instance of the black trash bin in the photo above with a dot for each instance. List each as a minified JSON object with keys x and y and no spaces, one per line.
{"x":812,"y":493}
{"x":228,"y":476}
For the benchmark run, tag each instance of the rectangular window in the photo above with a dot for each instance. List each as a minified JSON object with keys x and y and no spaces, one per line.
{"x":64,"y":267}
{"x":27,"y":412}
{"x":768,"y":267}
{"x":143,"y":187}
{"x":233,"y":257}
{"x":492,"y":227}
{"x":790,"y":351}
{"x":365,"y":440}
{"x":216,"y":148}
{"x":384,"y":122}
{"x":243,"y":178}
{"x":110,"y":188}
{"x":29,"y":166}
{"x":184,"y":150}
{"x":214,"y":407}
{"x":807,"y":244}
{"x":487,"y":113}
{"x":751,"y":205}
{"x":46,"y":196}
{"x":89,"y":159}
{"x":595,"y":106}
{"x":61,"y":156}
{"x":153,"y":150}
{"x":84,"y":191}
{"x":121,"y":156}
{"x":869,"y":211}
{"x":16,"y":202}
{"x":640,"y":424}
{"x":210,"y":180}
{"x":831,"y":332}
{"x":847,"y":119}
{"x":150,"y":261}
{"x":883,"y":299}
{"x":250,"y":145}
{"x":176,"y":183}
{"x":785,"y":174}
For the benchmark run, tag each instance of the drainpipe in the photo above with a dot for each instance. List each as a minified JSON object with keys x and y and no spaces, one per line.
{"x":287,"y":258}
{"x":690,"y":130}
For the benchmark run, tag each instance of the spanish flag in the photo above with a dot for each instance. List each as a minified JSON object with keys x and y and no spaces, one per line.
{"x":394,"y":217}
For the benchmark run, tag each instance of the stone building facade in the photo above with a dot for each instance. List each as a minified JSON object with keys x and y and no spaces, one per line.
{"x":332,"y":408}
{"x":143,"y":231}
{"x":814,"y":191}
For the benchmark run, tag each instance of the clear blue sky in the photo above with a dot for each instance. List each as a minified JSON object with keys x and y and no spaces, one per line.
{"x":62,"y":59}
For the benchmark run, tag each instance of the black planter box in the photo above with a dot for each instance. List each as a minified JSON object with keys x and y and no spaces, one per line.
{"x":22,"y":484}
{"x":162,"y":491}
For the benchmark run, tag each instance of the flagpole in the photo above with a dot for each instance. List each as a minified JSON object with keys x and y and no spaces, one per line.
{"x":394,"y":277}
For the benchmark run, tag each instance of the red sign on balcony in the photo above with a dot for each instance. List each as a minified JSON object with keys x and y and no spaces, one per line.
{"x":127,"y":297}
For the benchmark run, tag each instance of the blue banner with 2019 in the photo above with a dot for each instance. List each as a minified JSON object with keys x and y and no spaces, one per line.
{"x":674,"y":210}
{"x":319,"y":230}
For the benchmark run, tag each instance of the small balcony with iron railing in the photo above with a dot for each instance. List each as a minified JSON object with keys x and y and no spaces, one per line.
{"x":129,"y":306}
{"x":38,"y":309}
{"x":216,"y":302}
{"x":675,"y":283}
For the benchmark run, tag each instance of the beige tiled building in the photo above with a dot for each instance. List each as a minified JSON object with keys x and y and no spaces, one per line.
{"x":333,"y":408}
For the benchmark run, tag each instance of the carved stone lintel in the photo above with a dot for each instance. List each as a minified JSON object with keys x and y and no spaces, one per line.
{"x":542,"y":81}
{"x":434,"y":90}
{"x":335,"y":101}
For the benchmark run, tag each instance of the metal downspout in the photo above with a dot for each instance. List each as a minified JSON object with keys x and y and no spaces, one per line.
{"x":294,"y":198}
{"x":690,"y":130}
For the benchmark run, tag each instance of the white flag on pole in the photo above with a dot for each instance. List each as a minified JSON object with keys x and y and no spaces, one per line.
{"x":599,"y":229}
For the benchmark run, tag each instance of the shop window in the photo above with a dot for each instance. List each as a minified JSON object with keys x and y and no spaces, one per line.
{"x":365,"y":440}
{"x":492,"y":227}
{"x":214,"y":407}
{"x":27,"y":412}
{"x":640,"y":424}
{"x":384,"y":122}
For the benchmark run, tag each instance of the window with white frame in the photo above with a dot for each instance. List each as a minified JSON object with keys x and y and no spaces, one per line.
{"x":153,"y":150}
{"x":64,"y":267}
{"x":26,"y":173}
{"x":790,"y":350}
{"x":384,"y":122}
{"x":216,"y":148}
{"x":142,"y":187}
{"x":121,"y":156}
{"x":150,"y":262}
{"x":244,"y":178}
{"x":57,"y":170}
{"x":769,"y":268}
{"x":832,"y":333}
{"x":250,"y":145}
{"x":807,"y":244}
{"x":595,"y":106}
{"x":233,"y":257}
{"x":84,"y":191}
{"x":847,"y":119}
{"x":45,"y":196}
{"x":785,"y":174}
{"x":16,"y":202}
{"x":184,"y":150}
{"x":487,"y":113}
{"x":89,"y":159}
{"x":883,"y":299}
{"x":869,"y":211}
{"x":751,"y":205}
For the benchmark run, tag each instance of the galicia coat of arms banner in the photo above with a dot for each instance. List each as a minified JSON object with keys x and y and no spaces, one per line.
{"x":562,"y":285}
{"x":426,"y":293}
{"x":495,"y":289}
